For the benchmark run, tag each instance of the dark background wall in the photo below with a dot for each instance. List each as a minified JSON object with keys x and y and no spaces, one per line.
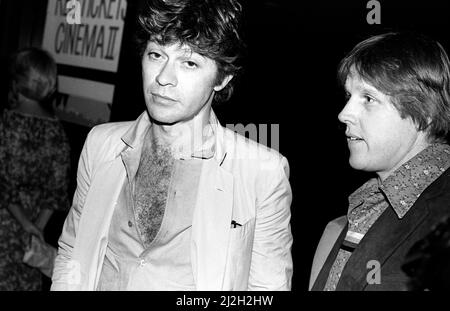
{"x":289,"y":79}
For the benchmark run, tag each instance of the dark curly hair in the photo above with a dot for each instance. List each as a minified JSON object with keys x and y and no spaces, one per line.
{"x":209,"y":27}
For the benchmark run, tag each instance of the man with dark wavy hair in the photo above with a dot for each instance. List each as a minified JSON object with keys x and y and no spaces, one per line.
{"x":397,"y":118}
{"x":173,"y":200}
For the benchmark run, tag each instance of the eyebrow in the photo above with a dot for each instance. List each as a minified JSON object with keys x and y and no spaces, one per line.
{"x":369,"y":90}
{"x":364,"y":88}
{"x":192,"y":53}
{"x":185,"y":52}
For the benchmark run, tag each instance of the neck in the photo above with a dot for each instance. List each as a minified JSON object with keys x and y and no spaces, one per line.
{"x":418,"y":147}
{"x":29,"y":106}
{"x":184,"y":137}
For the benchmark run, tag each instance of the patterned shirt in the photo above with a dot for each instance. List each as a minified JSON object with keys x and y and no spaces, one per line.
{"x":399,"y":190}
{"x":34,"y":174}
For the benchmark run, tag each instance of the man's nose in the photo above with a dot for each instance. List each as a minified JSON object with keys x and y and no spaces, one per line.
{"x":349,"y":113}
{"x":167,"y":75}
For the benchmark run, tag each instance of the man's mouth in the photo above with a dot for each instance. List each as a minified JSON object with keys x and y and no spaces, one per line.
{"x":354,"y":138}
{"x":163,"y":97}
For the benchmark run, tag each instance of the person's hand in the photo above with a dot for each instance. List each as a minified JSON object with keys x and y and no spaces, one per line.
{"x":34,"y":230}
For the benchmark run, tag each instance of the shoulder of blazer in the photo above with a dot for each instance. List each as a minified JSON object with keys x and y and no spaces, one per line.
{"x":439,"y":187}
{"x":437,"y":196}
{"x":104,"y":142}
{"x":239,"y":147}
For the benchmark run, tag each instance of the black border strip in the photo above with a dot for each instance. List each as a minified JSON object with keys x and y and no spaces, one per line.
{"x":87,"y":74}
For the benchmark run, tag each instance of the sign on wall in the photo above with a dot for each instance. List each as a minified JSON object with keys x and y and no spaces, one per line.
{"x":94,"y":42}
{"x":85,"y":34}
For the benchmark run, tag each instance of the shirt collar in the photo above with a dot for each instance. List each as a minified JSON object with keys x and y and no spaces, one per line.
{"x":406,"y":184}
{"x":135,"y":136}
{"x":364,"y":192}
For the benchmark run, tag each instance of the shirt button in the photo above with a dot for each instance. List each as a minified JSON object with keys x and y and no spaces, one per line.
{"x":130,"y":224}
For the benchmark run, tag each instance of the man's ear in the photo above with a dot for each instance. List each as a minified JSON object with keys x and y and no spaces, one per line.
{"x":223,"y":84}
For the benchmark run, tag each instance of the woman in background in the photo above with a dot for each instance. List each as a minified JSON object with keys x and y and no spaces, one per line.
{"x":34,"y":164}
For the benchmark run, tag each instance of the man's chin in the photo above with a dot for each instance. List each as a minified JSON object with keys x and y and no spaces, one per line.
{"x":162,"y":119}
{"x":356,"y":163}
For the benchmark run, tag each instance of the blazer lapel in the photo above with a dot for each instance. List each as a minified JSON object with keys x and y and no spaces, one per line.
{"x":328,"y":240}
{"x":97,"y":213}
{"x":383,"y":238}
{"x":322,"y":277}
{"x":211,"y":226}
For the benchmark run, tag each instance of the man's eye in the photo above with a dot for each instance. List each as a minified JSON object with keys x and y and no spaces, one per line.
{"x":369,"y":99}
{"x":154,"y":55}
{"x":190,"y":64}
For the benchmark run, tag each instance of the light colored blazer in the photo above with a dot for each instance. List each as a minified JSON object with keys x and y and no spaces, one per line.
{"x":245,"y":182}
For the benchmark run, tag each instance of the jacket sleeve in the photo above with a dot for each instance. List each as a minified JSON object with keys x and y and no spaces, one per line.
{"x":271,"y":265}
{"x":65,"y":270}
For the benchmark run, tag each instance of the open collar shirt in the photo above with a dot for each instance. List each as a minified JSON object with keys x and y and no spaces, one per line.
{"x":165,"y":264}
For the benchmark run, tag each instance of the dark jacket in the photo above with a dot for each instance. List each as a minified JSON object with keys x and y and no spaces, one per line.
{"x":387,"y":242}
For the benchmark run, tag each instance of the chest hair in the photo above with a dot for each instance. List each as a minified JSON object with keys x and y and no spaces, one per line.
{"x":151,"y":189}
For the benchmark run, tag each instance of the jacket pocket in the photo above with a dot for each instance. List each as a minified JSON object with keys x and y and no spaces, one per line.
{"x":240,"y":254}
